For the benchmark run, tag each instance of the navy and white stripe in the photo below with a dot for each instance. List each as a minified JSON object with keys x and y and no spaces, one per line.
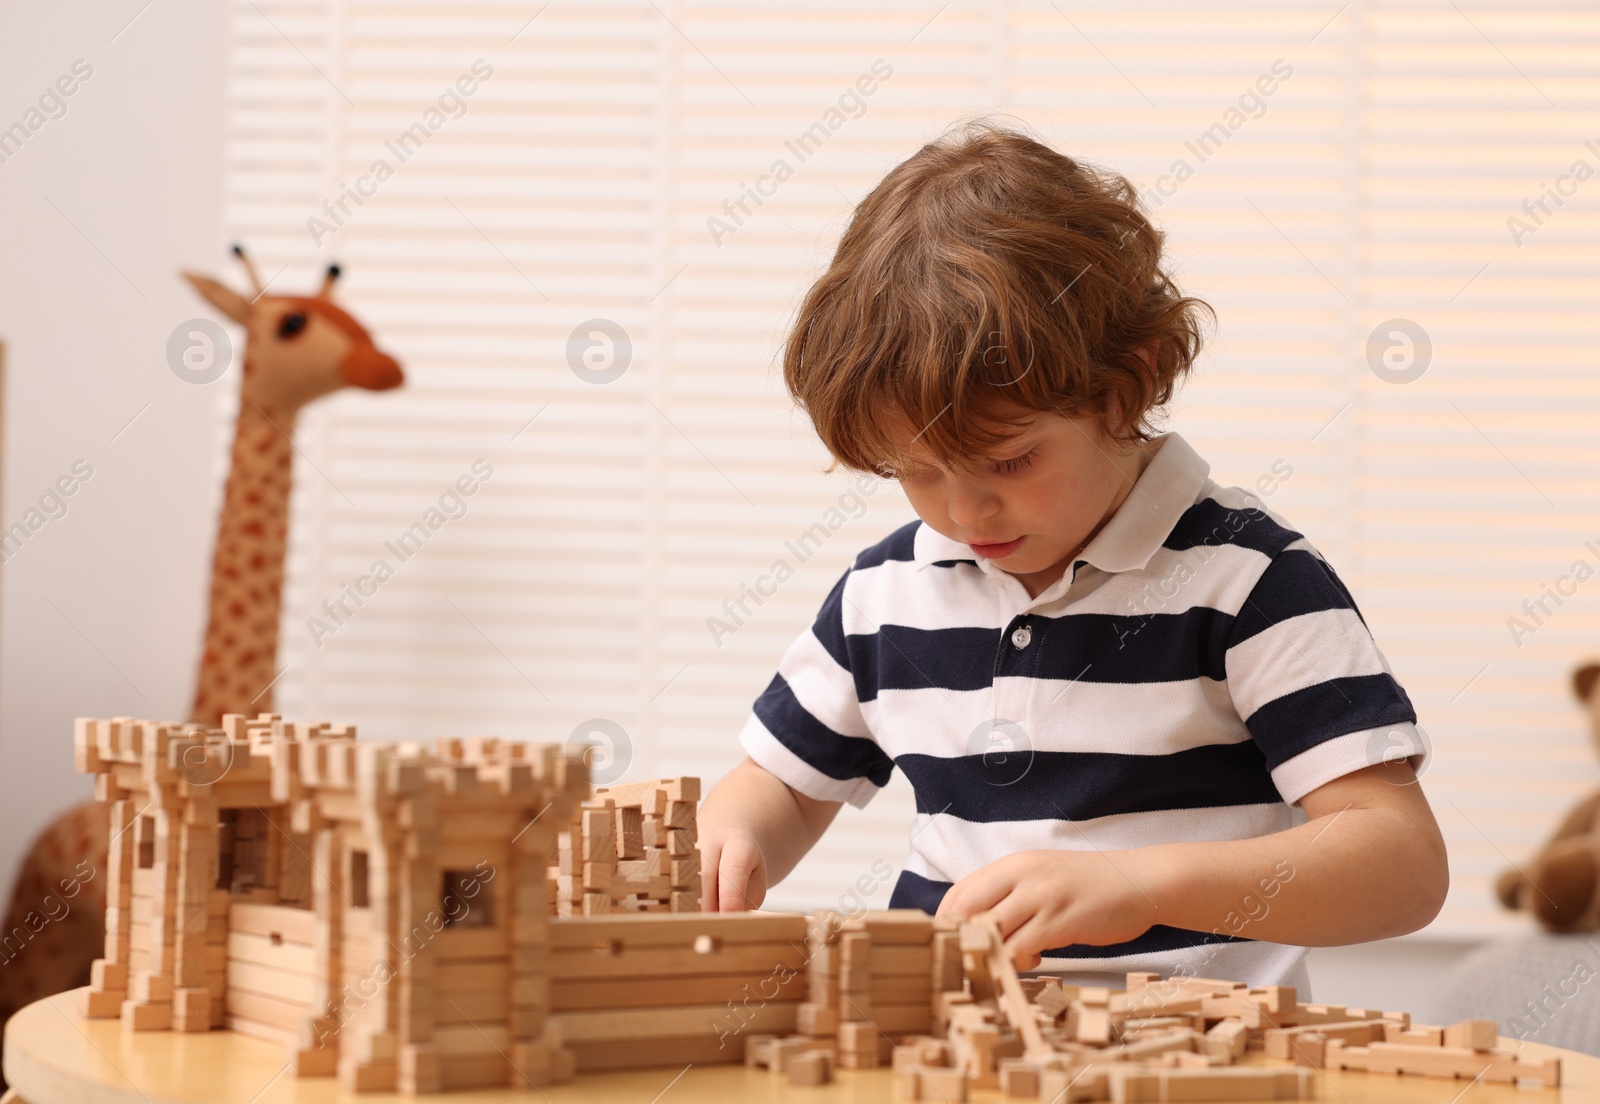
{"x":1199,"y":670}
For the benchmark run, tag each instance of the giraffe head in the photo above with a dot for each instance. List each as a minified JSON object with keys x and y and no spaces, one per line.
{"x":298,"y":348}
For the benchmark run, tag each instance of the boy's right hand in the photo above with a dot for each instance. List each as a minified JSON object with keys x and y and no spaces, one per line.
{"x":733,"y":871}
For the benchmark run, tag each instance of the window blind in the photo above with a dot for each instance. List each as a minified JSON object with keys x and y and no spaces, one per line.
{"x":587,"y":263}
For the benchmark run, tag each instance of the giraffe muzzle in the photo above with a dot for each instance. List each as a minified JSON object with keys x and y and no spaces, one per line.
{"x":368,"y":368}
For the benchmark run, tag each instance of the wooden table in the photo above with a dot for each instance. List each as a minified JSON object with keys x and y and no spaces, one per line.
{"x":54,"y":1057}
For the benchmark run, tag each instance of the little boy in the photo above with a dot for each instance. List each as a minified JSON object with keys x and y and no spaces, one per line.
{"x":1146,"y":725}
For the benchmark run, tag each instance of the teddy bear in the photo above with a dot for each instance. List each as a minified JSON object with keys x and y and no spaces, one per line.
{"x":1559,"y":885}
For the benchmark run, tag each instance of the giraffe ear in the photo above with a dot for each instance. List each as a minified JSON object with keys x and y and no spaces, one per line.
{"x":225,"y":299}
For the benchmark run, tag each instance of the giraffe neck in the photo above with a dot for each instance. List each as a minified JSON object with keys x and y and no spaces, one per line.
{"x":239,"y":663}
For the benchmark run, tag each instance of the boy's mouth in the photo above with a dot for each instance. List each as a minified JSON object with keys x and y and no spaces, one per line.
{"x":997,"y":551}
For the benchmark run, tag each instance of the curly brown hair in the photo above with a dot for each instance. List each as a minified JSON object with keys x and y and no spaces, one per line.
{"x":984,"y":276}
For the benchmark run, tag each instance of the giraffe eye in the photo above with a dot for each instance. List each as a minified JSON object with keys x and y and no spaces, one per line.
{"x":292,"y":324}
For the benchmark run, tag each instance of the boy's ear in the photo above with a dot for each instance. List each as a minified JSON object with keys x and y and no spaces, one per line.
{"x":225,"y":299}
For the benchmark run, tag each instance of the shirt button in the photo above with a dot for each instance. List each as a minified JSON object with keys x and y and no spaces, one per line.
{"x":1021,"y":636}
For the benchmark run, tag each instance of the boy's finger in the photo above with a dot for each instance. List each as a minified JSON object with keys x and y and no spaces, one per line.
{"x":708,"y":887}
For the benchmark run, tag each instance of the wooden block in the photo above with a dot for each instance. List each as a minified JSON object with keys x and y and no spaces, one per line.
{"x":643,"y":1053}
{"x":1472,"y":1034}
{"x":146,"y":1017}
{"x":1019,"y":1077}
{"x":1278,"y":1042}
{"x":1433,"y":1061}
{"x":104,"y":976}
{"x":629,"y":933}
{"x":281,"y":925}
{"x":1228,"y":1083}
{"x":102,"y":1005}
{"x":1414,"y":1035}
{"x":1093,"y":1025}
{"x":897,"y":961}
{"x":1341,"y":1056}
{"x":629,"y":831}
{"x":1074,"y":1085}
{"x":652,"y":796}
{"x":148,"y":988}
{"x":419,"y":1069}
{"x":854,"y":1008}
{"x":817,"y":1019}
{"x":714,"y":1022}
{"x":813,"y":1067}
{"x":1308,"y":1049}
{"x":946,"y":966}
{"x":891,"y":926}
{"x":858,"y":1035}
{"x":620,"y":993}
{"x":679,"y":814}
{"x":1226,"y":1040}
{"x":191,"y":1009}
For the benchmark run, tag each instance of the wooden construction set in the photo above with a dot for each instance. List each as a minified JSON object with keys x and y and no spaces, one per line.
{"x":476,"y":914}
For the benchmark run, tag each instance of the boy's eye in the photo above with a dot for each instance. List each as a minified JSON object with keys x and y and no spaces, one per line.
{"x":1016,"y":463}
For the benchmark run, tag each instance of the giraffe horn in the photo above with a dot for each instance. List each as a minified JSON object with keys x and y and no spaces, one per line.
{"x":249,"y":269}
{"x":328,"y":282}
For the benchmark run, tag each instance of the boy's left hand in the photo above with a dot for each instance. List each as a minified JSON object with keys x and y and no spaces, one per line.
{"x":1044,"y":899}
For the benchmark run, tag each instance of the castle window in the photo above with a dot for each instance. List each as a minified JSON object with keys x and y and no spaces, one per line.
{"x":359,"y":880}
{"x":466,"y":900}
{"x":146,"y":842}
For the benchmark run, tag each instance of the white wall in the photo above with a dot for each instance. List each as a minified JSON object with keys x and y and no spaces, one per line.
{"x":101,"y":607}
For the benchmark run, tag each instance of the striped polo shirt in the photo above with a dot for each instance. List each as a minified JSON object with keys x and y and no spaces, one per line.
{"x":1198,"y":671}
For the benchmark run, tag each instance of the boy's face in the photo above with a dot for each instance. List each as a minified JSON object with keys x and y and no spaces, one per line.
{"x":1030,"y":504}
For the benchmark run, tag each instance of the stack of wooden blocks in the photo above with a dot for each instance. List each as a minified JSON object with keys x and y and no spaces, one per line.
{"x":873,"y":976}
{"x":1169,"y":1039}
{"x":652,"y":989}
{"x":630,"y":848}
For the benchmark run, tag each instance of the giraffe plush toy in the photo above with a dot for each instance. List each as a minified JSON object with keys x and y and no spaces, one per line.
{"x":297,"y":349}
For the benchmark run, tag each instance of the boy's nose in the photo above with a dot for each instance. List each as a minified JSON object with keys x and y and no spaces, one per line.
{"x":969,"y":507}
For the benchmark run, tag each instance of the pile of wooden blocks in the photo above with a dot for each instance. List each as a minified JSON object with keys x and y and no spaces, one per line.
{"x":630,"y":848}
{"x":1169,"y":1039}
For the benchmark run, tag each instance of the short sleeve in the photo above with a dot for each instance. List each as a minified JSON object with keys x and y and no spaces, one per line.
{"x":1309,"y":681}
{"x":807,"y":727}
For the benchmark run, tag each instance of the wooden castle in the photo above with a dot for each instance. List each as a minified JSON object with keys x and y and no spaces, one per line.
{"x":470,"y":914}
